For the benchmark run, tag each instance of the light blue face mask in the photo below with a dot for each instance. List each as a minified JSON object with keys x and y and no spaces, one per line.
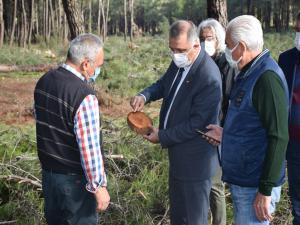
{"x":96,"y":74}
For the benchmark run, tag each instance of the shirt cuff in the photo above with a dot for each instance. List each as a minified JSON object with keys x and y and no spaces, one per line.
{"x":143,"y":96}
{"x":265,"y":189}
{"x":93,"y":186}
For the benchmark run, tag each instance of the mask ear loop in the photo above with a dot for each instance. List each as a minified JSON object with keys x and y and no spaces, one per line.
{"x":244,"y":46}
{"x":232,"y":50}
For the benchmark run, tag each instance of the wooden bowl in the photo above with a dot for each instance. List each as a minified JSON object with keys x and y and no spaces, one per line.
{"x":139,"y":122}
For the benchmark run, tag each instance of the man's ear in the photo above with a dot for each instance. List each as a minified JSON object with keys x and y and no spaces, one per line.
{"x":84,"y":65}
{"x":243,"y":46}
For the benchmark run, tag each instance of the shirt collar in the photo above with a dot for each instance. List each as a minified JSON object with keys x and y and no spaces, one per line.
{"x":246,"y":68}
{"x":72,"y":70}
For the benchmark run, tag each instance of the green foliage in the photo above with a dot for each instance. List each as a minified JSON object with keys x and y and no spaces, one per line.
{"x":138,"y":182}
{"x":127,"y":70}
{"x":194,"y":10}
{"x":19,"y":201}
{"x":279,"y":42}
{"x":36,"y":54}
{"x":164,"y":27}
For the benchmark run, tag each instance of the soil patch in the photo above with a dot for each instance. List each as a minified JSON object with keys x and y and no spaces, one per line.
{"x":16,"y":101}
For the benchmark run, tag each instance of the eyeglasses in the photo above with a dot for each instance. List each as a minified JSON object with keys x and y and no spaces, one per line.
{"x":208,"y":38}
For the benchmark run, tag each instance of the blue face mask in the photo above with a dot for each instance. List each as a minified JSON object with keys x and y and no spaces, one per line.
{"x":96,"y":74}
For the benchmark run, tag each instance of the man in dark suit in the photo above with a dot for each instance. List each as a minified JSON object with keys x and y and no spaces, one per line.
{"x":289,"y":61}
{"x":191,"y":92}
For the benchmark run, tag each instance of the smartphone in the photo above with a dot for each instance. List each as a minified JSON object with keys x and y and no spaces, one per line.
{"x":204,"y":134}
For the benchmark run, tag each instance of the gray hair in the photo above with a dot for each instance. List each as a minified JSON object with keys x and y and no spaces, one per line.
{"x":180,"y":26}
{"x":246,"y":29}
{"x":84,"y":46}
{"x":217,"y":29}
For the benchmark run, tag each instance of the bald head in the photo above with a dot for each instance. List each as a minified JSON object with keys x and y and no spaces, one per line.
{"x":183,"y":27}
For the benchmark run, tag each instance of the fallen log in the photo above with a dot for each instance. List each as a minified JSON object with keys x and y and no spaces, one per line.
{"x":27,"y":68}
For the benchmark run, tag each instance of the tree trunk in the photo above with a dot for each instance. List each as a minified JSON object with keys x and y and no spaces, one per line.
{"x":99,"y":18}
{"x":74,"y":18}
{"x":103,"y":19}
{"x":12,"y":35}
{"x":217,"y":9}
{"x":24,"y":26}
{"x":46,"y":21}
{"x":282,"y":14}
{"x":259,"y":13}
{"x":125,"y":21}
{"x":267,"y":19}
{"x":37,"y":18}
{"x":60,"y":14}
{"x":287,"y":19}
{"x":276,"y":18}
{"x":31,"y":22}
{"x":52,"y":25}
{"x":250,"y":7}
{"x":131,"y":20}
{"x":90,"y":16}
{"x":106,"y":20}
{"x":242,"y":7}
{"x":1,"y":24}
{"x":56,"y":18}
{"x":65,"y":34}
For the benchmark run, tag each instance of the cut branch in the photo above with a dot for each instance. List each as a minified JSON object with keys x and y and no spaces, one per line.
{"x":21,"y":180}
{"x":8,"y":222}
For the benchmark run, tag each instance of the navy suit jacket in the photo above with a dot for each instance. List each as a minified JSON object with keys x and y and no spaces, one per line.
{"x":287,"y":61}
{"x":196,"y":105}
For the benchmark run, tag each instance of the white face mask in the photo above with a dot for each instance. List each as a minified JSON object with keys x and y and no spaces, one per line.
{"x":297,"y":41}
{"x":210,"y":47}
{"x":228,"y":54}
{"x":181,"y":59}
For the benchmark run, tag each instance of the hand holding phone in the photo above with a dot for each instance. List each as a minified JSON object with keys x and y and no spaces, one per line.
{"x":210,"y":139}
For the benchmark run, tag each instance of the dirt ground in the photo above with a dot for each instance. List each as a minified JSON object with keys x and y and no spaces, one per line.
{"x":16,"y":101}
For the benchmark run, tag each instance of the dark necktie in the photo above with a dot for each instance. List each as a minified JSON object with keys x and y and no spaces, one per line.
{"x":171,"y":94}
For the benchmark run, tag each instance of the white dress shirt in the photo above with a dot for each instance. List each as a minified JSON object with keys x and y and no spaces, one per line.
{"x":184,"y":74}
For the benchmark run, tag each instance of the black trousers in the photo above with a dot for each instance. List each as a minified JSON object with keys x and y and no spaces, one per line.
{"x":189,"y":201}
{"x":67,"y":202}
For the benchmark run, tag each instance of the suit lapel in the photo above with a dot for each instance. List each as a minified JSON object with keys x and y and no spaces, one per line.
{"x":167,"y":86}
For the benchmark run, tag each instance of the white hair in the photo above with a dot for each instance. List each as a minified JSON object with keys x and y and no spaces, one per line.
{"x":217,"y":29}
{"x":84,"y":46}
{"x":246,"y":29}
